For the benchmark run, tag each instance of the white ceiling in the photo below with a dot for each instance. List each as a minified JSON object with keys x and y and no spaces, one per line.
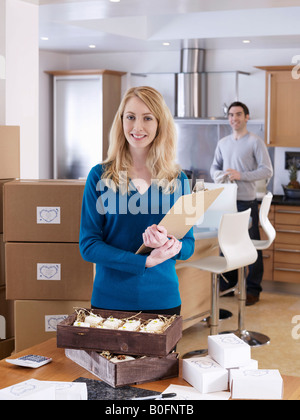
{"x":143,"y":25}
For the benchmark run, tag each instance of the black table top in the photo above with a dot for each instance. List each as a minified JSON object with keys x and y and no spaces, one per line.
{"x":284,"y":201}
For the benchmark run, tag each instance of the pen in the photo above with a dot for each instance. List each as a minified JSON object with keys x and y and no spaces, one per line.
{"x":156,"y":397}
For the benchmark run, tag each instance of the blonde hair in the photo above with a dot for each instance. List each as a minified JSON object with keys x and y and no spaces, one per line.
{"x":162,"y":153}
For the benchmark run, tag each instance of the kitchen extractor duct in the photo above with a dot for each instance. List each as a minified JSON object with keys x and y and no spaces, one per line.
{"x":191,"y":85}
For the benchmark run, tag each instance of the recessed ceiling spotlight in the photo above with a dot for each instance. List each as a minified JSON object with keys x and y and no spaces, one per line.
{"x":44,"y":38}
{"x":115,"y":1}
{"x":166,"y":44}
{"x":92,"y":46}
{"x":246,"y":41}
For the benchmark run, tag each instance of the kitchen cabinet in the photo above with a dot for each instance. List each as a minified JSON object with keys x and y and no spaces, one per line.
{"x":84,"y":105}
{"x":282,"y":259}
{"x":282,"y":107}
{"x":287,"y":244}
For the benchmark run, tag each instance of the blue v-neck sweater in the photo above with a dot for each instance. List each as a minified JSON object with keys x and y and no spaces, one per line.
{"x":111,"y":231}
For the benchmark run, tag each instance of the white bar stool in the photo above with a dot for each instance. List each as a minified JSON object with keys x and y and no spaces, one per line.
{"x":254,"y":339}
{"x":238,"y":251}
{"x":207,"y":226}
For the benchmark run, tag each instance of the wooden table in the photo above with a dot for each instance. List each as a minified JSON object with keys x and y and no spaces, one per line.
{"x":63,"y":369}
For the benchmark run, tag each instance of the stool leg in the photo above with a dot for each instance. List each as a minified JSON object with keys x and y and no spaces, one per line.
{"x":215,"y":290}
{"x":252,"y":338}
{"x":241,"y":299}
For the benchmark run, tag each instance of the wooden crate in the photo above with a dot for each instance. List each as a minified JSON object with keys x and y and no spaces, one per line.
{"x":117,"y":341}
{"x":132,"y":372}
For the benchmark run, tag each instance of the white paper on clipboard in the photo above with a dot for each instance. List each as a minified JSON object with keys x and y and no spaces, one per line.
{"x":187,"y":210}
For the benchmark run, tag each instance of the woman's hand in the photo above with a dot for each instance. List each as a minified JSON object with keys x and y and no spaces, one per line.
{"x":171,"y":248}
{"x":155,"y":236}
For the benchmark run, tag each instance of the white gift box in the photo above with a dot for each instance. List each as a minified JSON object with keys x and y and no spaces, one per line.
{"x":252,"y":364}
{"x":204,"y":374}
{"x":256,"y":384}
{"x":229,"y":350}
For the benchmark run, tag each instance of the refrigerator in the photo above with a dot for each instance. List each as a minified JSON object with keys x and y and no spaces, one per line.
{"x":197,"y":142}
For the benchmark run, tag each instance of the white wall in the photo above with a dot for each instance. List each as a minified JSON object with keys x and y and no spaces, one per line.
{"x":221,"y":87}
{"x":20,"y":105}
{"x":137,"y":62}
{"x":252,"y":88}
{"x":48,"y":61}
{"x":2,"y":61}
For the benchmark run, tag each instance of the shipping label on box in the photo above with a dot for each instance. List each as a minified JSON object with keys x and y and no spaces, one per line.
{"x":229,"y":350}
{"x":51,"y":322}
{"x":204,"y":374}
{"x":48,"y":215}
{"x":48,"y":271}
{"x":257,"y":384}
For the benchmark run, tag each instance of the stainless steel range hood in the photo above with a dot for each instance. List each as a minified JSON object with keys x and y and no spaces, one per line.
{"x":190,"y":92}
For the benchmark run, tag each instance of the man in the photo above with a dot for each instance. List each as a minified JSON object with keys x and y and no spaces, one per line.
{"x":242,"y":157}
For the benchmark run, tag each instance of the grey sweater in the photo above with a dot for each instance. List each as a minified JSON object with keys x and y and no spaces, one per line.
{"x":248,"y":155}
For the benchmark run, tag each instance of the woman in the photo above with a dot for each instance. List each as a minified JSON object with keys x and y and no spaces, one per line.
{"x":124,"y":200}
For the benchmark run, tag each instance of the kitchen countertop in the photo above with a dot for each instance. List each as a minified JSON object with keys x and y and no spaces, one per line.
{"x":208,"y":233}
{"x":63,"y":369}
{"x":282,"y":200}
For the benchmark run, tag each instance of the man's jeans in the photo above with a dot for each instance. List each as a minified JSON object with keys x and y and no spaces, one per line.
{"x":256,"y":270}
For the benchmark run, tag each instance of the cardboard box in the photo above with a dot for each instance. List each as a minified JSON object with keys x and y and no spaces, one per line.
{"x":256,"y":384}
{"x":137,"y":371}
{"x":2,"y":262}
{"x":135,"y":343}
{"x":36,"y":321}
{"x":228,"y":350}
{"x":6,"y":316}
{"x":204,"y":374}
{"x":9,"y":152}
{"x":42,"y":211}
{"x":50,"y":271}
{"x":2,"y":182}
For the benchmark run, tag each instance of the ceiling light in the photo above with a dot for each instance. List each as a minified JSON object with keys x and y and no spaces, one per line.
{"x":44,"y":38}
{"x":92,"y":46}
{"x":115,"y":1}
{"x":246,"y":41}
{"x":166,"y":44}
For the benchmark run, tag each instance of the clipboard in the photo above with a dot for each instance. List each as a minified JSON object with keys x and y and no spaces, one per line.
{"x":184,"y":214}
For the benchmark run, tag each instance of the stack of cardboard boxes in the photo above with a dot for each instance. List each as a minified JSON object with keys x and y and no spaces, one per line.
{"x":42,"y":274}
{"x":45,"y":273}
{"x":9,"y":169}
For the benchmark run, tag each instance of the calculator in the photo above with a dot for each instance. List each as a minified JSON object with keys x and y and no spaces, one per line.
{"x":30,"y":361}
